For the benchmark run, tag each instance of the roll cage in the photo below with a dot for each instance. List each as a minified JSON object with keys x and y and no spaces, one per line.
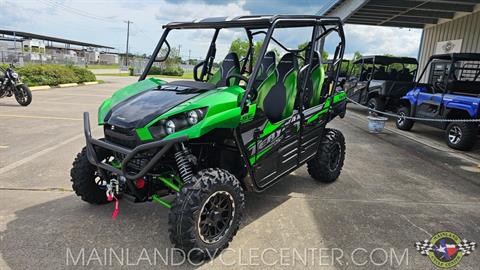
{"x":375,"y":60}
{"x":256,"y":25}
{"x":460,"y":73}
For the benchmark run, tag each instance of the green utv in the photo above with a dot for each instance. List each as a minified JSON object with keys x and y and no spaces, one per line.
{"x":197,"y":146}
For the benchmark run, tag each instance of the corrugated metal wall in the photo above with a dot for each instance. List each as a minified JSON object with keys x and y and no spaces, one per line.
{"x":466,"y":28}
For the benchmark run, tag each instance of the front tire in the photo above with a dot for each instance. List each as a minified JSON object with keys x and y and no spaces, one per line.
{"x":206,"y":214}
{"x":402,"y":123}
{"x":86,"y":182}
{"x":23,"y":95}
{"x":328,"y":162}
{"x":461,"y":135}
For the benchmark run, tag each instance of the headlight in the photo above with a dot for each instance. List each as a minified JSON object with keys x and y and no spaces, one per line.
{"x":192,"y":117}
{"x":15,"y":75}
{"x":177,"y":123}
{"x":170,"y":127}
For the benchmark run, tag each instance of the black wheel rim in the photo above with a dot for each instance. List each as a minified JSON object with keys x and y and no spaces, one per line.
{"x":335,"y":157}
{"x":21,"y":96}
{"x":99,"y":181}
{"x":216,"y":217}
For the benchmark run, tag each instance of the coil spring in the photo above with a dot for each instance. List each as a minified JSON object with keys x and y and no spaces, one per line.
{"x":183,"y":164}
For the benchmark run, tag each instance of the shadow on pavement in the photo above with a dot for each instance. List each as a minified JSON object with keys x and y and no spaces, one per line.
{"x":53,"y":235}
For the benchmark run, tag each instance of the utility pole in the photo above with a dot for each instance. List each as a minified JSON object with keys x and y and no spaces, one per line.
{"x":128,"y":37}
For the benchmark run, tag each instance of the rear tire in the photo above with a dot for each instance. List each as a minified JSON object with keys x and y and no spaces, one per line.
{"x":328,"y":162}
{"x":461,"y":135}
{"x":206,"y":214}
{"x":85,"y":180}
{"x":376,"y":103}
{"x":23,"y":95}
{"x":402,"y":123}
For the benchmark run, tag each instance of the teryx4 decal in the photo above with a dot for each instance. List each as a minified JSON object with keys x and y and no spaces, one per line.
{"x":269,"y":141}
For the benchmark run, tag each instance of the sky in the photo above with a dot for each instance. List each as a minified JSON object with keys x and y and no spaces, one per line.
{"x":103,"y":22}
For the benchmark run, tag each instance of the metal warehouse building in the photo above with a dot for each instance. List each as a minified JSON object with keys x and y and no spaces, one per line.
{"x":448,"y":25}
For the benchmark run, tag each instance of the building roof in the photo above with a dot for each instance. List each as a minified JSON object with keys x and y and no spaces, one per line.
{"x":253,"y":22}
{"x":458,"y":56}
{"x":26,"y":35}
{"x":386,"y":60}
{"x":398,"y":13}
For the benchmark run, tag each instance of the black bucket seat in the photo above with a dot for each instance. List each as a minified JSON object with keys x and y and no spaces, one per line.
{"x":277,"y":93}
{"x":229,"y":66}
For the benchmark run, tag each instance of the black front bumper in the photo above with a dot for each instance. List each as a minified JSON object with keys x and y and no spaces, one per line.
{"x":161,"y":147}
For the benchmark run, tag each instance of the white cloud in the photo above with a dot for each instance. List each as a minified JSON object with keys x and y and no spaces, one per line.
{"x":189,"y":11}
{"x":382,"y":40}
{"x":43,"y":17}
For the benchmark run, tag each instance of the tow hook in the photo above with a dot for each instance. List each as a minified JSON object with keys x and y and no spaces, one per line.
{"x":113,"y":188}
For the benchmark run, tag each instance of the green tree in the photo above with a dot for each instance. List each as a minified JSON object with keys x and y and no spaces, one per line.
{"x":357,"y":55}
{"x":240,"y":47}
{"x":303,"y":45}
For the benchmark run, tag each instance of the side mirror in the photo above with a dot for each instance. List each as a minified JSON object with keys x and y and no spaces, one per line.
{"x":195,"y":71}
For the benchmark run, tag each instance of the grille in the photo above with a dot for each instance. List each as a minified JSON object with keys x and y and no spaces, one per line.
{"x":120,"y":136}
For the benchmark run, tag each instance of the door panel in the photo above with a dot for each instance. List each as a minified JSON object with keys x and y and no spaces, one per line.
{"x":356,"y":91}
{"x":429,"y":106}
{"x":276,"y":149}
{"x":313,"y":127}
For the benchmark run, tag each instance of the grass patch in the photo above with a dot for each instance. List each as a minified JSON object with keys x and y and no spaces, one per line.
{"x":188,"y":75}
{"x":116,"y":66}
{"x":115,"y":74}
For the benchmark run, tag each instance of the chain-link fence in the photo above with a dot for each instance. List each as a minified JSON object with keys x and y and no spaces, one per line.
{"x":22,"y":58}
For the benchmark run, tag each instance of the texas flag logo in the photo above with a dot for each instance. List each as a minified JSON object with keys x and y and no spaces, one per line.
{"x":445,"y":249}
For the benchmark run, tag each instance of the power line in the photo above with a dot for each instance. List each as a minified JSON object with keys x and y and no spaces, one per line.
{"x":76,"y":11}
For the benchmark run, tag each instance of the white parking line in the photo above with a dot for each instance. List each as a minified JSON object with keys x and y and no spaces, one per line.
{"x":3,"y":146}
{"x":40,"y":117}
{"x":20,"y":162}
{"x":66,"y":103}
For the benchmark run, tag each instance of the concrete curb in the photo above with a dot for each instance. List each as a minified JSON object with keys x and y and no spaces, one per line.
{"x":90,"y":83}
{"x":65,"y":85}
{"x":41,"y":87}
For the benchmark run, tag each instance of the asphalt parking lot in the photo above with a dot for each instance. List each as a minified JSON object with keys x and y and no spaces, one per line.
{"x":395,"y":189}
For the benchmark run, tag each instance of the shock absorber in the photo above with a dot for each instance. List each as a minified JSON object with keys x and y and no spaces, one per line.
{"x":183,"y":163}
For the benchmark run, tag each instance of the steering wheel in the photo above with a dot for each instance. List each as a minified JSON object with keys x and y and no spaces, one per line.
{"x":237,"y":76}
{"x":253,"y":92}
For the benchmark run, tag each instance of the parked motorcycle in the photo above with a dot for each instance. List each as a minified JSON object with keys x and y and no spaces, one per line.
{"x":10,"y":84}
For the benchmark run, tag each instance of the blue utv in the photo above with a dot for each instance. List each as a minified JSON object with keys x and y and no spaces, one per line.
{"x":451,"y":91}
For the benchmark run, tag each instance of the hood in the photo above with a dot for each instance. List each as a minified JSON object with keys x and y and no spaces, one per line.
{"x":140,"y":109}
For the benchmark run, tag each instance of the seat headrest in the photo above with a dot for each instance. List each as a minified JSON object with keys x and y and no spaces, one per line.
{"x":268,"y":62}
{"x":315,"y":59}
{"x":287,"y":64}
{"x":231,"y":60}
